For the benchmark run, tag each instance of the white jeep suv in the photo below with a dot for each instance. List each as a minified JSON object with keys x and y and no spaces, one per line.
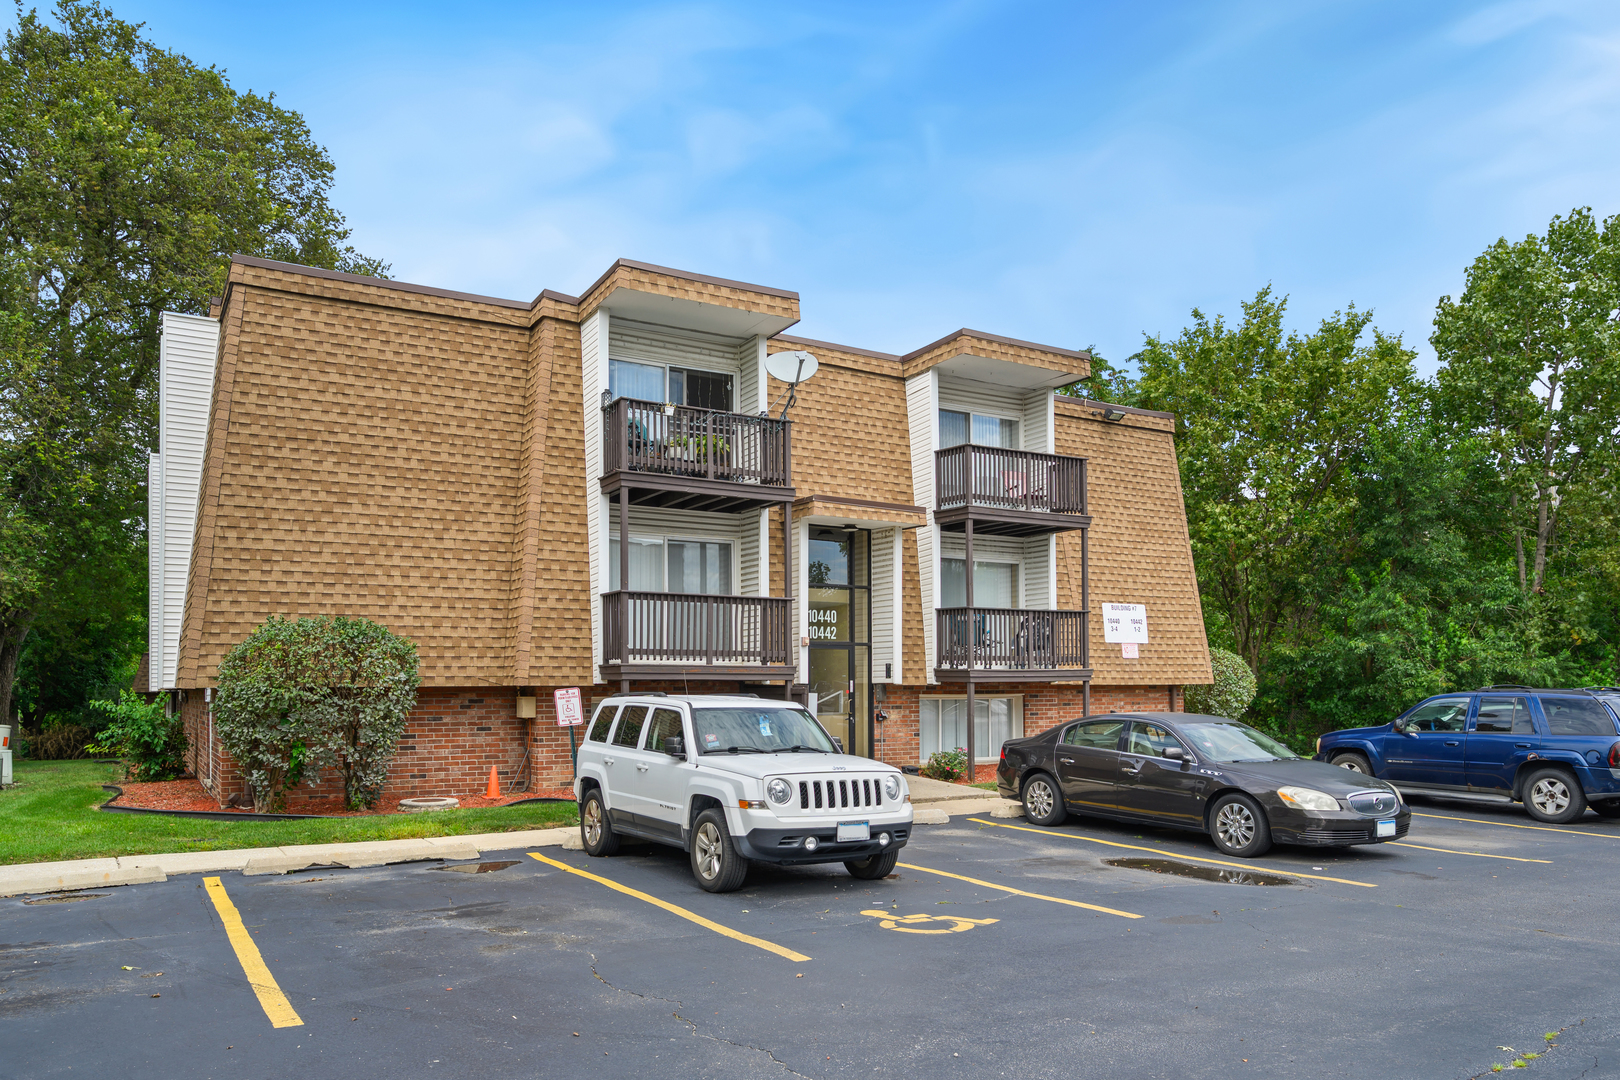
{"x":732,"y":779}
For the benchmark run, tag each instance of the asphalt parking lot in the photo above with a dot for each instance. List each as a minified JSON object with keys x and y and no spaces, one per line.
{"x":998,"y":949}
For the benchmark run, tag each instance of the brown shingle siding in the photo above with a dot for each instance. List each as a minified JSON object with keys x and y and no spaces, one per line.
{"x":561,"y":650}
{"x":1140,"y":553}
{"x":363,"y":461}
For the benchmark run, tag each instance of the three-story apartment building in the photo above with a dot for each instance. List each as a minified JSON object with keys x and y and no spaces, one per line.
{"x":602,"y":491}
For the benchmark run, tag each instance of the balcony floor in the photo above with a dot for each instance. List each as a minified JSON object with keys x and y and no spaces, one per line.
{"x":993,"y":521}
{"x":999,"y":675}
{"x":668,"y":672}
{"x":674,"y":492}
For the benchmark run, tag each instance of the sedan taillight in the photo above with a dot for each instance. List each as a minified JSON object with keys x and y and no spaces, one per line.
{"x":1614,"y":756}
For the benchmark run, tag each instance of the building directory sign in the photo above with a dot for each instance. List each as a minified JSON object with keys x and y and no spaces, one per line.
{"x":1125,"y":623}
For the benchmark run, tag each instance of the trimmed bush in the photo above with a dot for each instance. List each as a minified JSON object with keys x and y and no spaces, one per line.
{"x":152,"y":746}
{"x":302,"y":695}
{"x":946,"y":765}
{"x":1232,"y":691}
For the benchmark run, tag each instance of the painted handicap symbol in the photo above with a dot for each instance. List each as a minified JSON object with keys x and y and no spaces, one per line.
{"x":913,"y":924}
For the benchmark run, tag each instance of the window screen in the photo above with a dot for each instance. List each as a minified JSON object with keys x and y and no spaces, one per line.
{"x":628,"y":733}
{"x":1576,"y":716}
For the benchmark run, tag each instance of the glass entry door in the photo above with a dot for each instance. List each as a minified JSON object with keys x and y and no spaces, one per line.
{"x":840,"y":651}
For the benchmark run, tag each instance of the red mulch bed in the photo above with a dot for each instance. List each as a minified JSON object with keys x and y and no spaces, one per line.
{"x":190,"y":795}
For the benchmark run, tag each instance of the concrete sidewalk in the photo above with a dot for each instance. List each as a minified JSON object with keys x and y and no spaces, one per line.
{"x":933,"y":802}
{"x":138,"y":869}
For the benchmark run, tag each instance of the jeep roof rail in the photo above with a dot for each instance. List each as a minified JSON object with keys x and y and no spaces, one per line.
{"x":639,"y":693}
{"x":1505,"y":686}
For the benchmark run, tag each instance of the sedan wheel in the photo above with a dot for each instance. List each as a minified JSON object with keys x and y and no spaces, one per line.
{"x":1551,"y":795}
{"x":1043,"y":803}
{"x":1239,"y":827}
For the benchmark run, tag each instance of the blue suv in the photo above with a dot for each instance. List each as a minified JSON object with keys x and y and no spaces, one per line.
{"x":1557,"y":751}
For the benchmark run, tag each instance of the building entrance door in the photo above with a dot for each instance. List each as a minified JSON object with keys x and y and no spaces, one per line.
{"x":840,"y":652}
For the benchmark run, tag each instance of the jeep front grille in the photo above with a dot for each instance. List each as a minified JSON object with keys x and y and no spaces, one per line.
{"x":841,"y":794}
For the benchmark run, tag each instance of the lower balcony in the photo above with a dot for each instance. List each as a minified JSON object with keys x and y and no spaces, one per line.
{"x":659,"y":635}
{"x":1011,"y":645}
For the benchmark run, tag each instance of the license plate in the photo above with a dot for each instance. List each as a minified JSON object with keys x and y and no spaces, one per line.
{"x":1386,"y":828}
{"x":854,"y":830}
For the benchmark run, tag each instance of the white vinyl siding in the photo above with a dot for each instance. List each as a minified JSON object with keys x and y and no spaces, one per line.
{"x":1040,"y":576}
{"x":1038,"y":421}
{"x":186,"y":360}
{"x":678,"y":348}
{"x":751,"y":540}
{"x":154,"y":571}
{"x":922,"y":412}
{"x":751,"y":387}
{"x":961,"y":395}
{"x":885,"y":602}
{"x":593,"y":339}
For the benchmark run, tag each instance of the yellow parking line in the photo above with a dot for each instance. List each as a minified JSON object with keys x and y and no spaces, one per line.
{"x":1477,"y":854}
{"x":1515,"y":825}
{"x":274,"y":1002}
{"x":690,"y":916}
{"x":1021,"y":892}
{"x":1176,"y":855}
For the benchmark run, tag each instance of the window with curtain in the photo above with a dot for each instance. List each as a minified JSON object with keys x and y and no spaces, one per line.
{"x":995,"y":720}
{"x":679,"y":566}
{"x":682,"y":386}
{"x":956,"y":428}
{"x":995,"y":584}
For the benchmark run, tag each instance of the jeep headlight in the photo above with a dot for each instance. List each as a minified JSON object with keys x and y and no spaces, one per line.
{"x":779,"y":791}
{"x":891,"y":786}
{"x":1306,"y":799}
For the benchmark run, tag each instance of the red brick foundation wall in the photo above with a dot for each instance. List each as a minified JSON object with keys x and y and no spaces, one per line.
{"x":454,"y":735}
{"x":897,"y":740}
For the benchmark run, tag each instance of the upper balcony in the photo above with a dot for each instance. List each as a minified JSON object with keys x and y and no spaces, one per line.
{"x":683,"y":457}
{"x":1009,"y":492}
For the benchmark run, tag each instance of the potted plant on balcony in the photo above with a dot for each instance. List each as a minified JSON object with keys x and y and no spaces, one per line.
{"x":696,"y":447}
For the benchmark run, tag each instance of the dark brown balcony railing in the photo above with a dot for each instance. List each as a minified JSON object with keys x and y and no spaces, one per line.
{"x":1011,"y":639}
{"x":989,"y":476}
{"x":654,"y":627}
{"x":679,"y":440}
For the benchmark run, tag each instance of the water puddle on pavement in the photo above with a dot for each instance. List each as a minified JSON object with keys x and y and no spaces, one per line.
{"x":479,"y":868}
{"x":65,"y":899}
{"x":1201,"y":873}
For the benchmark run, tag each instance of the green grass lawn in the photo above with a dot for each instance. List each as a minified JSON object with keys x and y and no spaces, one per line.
{"x":51,"y":814}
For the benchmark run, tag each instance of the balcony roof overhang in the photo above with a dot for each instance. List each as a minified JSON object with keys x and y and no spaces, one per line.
{"x":994,"y":521}
{"x":861,"y":513}
{"x":1004,"y":373}
{"x":693,"y":492}
{"x":660,"y":310}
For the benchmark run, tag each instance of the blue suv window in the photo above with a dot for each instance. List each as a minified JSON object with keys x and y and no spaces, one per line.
{"x":1576,"y":716}
{"x":1505,"y":715}
{"x":1442,"y":714}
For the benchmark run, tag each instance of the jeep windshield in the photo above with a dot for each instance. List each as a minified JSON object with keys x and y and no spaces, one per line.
{"x":1235,"y":742}
{"x":758,"y":731}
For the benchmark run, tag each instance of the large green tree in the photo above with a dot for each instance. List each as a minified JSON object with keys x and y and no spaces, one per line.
{"x":1530,"y":362}
{"x":128,"y":176}
{"x":1269,"y":425}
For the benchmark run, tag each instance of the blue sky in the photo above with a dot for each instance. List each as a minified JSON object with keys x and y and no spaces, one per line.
{"x":1072,"y":173}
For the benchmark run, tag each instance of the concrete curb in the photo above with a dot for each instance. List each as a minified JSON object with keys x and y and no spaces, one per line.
{"x":141,"y":869}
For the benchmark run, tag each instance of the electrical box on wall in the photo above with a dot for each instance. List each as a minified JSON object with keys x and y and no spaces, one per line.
{"x":525,"y":707}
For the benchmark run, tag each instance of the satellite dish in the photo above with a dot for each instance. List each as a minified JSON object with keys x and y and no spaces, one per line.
{"x":792,"y":368}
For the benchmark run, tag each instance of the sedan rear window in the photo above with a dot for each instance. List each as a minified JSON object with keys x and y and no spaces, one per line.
{"x":1576,"y":716}
{"x":1235,"y":742}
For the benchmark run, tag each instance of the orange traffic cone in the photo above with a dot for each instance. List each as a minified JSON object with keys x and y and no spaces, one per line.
{"x":494,"y":789}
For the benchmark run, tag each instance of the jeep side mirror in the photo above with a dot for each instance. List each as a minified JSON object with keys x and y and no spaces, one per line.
{"x":675,"y":746}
